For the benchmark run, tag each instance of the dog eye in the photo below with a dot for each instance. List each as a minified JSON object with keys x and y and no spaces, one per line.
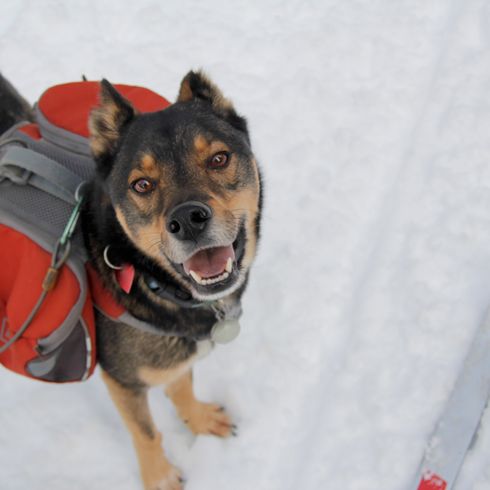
{"x":219,"y":160}
{"x":142,"y":186}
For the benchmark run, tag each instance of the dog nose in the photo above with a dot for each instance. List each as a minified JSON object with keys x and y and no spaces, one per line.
{"x":188,"y":220}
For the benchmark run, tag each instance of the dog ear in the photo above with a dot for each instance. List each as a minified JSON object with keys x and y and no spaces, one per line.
{"x":107,"y":121}
{"x":196,"y":85}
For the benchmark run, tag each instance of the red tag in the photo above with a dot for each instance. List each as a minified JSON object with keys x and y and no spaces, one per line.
{"x":430,"y":481}
{"x":125,"y":277}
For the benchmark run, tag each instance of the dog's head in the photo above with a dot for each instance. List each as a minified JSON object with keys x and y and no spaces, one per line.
{"x":183,"y":183}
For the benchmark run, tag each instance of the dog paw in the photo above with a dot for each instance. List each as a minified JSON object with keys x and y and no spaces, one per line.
{"x":208,"y":418}
{"x":168,"y":478}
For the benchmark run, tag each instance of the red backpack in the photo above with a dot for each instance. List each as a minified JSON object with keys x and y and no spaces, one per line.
{"x":47,"y":291}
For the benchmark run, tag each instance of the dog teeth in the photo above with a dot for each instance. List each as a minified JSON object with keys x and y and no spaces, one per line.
{"x":214,"y":280}
{"x":229,"y":265}
{"x":195,"y":276}
{"x":207,"y":282}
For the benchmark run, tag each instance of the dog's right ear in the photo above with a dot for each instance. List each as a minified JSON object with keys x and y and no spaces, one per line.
{"x":107,"y":121}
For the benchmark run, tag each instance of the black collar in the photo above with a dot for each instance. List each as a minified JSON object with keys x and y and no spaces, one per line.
{"x":171,"y":292}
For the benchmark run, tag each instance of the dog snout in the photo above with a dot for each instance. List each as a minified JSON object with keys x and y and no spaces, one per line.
{"x":188,"y":220}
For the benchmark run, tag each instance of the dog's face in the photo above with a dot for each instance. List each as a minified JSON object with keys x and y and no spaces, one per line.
{"x":183,"y":183}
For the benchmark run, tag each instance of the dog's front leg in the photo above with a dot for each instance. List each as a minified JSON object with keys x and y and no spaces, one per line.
{"x":157,"y":473}
{"x":201,"y":418}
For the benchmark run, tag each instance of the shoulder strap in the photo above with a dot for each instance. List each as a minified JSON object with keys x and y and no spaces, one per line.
{"x":23,"y":166}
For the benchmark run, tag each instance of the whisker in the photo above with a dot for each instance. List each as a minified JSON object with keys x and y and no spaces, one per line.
{"x":151,"y":234}
{"x":156,"y":244}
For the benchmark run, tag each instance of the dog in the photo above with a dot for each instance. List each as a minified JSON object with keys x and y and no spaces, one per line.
{"x":177,"y":200}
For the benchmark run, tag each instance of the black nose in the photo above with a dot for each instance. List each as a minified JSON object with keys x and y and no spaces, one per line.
{"x":188,"y":220}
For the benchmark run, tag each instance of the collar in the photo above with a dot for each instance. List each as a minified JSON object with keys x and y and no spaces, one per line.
{"x":226,"y":328}
{"x":173,"y":293}
{"x":125,"y":274}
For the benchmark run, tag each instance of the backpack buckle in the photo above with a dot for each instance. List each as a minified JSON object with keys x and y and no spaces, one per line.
{"x":17,"y":175}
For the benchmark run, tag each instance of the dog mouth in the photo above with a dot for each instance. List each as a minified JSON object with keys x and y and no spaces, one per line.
{"x":211,"y":271}
{"x":214,"y":269}
{"x":211,"y":265}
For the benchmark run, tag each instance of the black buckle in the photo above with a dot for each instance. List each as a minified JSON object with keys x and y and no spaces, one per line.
{"x":177,"y":295}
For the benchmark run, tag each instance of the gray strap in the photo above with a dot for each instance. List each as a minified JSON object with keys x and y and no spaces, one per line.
{"x":23,"y":166}
{"x":23,"y":328}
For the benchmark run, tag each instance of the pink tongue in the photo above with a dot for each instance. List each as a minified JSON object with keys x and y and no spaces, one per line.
{"x":210,"y":262}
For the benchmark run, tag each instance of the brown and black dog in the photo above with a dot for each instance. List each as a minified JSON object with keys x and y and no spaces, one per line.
{"x":178,"y":197}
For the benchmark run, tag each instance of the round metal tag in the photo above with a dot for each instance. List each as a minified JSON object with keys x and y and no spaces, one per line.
{"x":225,"y":331}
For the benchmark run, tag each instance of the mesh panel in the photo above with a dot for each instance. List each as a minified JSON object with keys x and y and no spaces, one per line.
{"x":78,"y":164}
{"x":35,"y":207}
{"x":43,"y":210}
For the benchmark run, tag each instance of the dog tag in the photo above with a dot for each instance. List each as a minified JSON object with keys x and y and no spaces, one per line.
{"x":225,"y":331}
{"x":125,"y":277}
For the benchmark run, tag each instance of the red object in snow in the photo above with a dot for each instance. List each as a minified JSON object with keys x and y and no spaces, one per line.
{"x":432,"y":482}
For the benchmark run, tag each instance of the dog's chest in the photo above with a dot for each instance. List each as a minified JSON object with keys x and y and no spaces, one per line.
{"x":152,"y":376}
{"x":122,"y":350}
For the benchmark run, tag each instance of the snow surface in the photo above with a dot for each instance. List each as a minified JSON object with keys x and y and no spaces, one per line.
{"x":371,"y":119}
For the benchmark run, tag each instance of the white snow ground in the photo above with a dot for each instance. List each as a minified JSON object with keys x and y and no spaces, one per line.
{"x":371,"y":119}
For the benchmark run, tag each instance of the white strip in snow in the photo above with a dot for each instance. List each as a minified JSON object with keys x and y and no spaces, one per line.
{"x":459,"y":423}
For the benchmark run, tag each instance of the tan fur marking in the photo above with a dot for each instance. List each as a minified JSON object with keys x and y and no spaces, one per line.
{"x":124,"y":224}
{"x":251,"y":249}
{"x":205,"y":149}
{"x":201,"y":418}
{"x":218,"y":101}
{"x":201,"y":144}
{"x":151,"y":236}
{"x":241,"y":203}
{"x":146,"y":238}
{"x":147,"y":168}
{"x":185,"y":93}
{"x":100,"y":141}
{"x":221,"y":102}
{"x":236,"y":204}
{"x":97,"y":145}
{"x":106,"y":120}
{"x":148,"y":163}
{"x":217,"y":146}
{"x":156,"y":472}
{"x":246,"y":202}
{"x":109,"y":111}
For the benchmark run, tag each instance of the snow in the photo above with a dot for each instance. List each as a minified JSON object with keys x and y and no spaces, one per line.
{"x":371,"y":122}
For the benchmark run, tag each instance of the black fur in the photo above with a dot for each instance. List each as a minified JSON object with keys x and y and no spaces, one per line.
{"x":13,"y":107}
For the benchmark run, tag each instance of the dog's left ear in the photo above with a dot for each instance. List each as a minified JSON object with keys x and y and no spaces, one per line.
{"x":107,"y":122}
{"x":196,"y":85}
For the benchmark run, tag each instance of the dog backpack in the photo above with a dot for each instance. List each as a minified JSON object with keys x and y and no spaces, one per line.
{"x":47,"y":289}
